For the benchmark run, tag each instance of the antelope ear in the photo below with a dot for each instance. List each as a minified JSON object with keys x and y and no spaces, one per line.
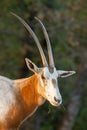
{"x":31,"y":65}
{"x":63,"y":74}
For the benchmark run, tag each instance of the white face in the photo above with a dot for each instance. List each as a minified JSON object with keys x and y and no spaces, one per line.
{"x":49,"y":86}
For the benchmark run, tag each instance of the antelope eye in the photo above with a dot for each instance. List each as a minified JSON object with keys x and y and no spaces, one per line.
{"x":42,"y":76}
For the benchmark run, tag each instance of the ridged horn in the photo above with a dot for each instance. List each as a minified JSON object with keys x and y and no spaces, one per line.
{"x":44,"y":61}
{"x":50,"y":55}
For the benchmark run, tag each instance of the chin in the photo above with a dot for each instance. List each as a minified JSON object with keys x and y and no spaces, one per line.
{"x":54,"y":104}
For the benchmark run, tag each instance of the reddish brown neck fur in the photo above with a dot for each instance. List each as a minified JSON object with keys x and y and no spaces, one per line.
{"x":26,"y":102}
{"x":29,"y":90}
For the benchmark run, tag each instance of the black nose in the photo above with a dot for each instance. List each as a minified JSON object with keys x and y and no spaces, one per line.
{"x":57,"y":100}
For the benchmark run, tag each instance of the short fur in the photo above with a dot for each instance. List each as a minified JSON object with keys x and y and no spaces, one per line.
{"x":20,"y":98}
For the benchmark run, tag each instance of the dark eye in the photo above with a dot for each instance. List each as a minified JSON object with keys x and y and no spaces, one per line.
{"x":42,"y":76}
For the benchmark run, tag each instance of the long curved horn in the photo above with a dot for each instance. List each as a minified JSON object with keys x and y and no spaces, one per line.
{"x":34,"y":37}
{"x":51,"y":60}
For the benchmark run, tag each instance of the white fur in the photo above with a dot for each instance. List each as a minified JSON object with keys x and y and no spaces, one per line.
{"x":6,"y":96}
{"x":48,"y":87}
{"x":51,"y":91}
{"x":50,"y":84}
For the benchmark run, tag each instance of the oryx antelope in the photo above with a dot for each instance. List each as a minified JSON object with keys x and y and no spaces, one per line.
{"x":21,"y":97}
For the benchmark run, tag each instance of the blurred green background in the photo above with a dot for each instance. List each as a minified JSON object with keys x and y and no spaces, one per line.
{"x":66,"y":23}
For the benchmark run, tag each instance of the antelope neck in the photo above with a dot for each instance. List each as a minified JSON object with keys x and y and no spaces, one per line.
{"x":29,"y":90}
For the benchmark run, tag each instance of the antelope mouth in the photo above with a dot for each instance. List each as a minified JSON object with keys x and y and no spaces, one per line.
{"x":56,"y":104}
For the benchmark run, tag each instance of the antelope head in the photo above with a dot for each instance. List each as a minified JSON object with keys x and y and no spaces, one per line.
{"x":48,"y":74}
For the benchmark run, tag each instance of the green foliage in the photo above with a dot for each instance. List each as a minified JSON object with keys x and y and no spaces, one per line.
{"x":27,"y":1}
{"x":10,"y":54}
{"x":50,"y":3}
{"x":81,"y":118}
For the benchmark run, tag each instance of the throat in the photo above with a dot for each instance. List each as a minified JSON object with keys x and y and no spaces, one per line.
{"x":41,"y":100}
{"x":29,"y":91}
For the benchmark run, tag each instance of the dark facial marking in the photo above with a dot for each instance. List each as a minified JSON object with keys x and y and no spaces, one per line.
{"x":51,"y":69}
{"x":54,"y":82}
{"x":42,"y":76}
{"x":44,"y":80}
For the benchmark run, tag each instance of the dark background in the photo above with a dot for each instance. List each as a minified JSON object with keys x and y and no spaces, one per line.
{"x":66,"y":23}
